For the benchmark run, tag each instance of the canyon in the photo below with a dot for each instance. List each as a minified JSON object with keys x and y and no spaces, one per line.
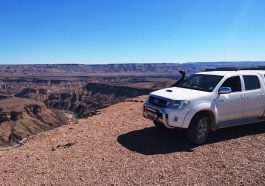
{"x":35,"y":104}
{"x":36,"y":98}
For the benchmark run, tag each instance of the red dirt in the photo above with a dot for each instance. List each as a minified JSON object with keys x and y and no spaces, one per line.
{"x":120,"y":147}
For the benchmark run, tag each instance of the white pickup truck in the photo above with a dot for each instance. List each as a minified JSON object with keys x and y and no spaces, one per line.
{"x":208,"y":101}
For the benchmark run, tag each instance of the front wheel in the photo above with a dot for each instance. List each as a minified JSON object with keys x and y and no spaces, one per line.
{"x":199,"y":129}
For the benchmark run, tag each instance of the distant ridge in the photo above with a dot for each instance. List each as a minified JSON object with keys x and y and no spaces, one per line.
{"x":118,"y":69}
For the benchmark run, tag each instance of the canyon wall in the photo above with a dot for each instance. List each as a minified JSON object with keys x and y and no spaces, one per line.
{"x":22,"y":117}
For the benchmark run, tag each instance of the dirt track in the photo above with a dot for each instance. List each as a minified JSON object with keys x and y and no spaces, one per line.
{"x":120,"y":147}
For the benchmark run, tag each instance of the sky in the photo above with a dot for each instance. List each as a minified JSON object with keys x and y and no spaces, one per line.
{"x":131,"y":31}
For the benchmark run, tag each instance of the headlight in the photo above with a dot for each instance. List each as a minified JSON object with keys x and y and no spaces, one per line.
{"x":179,"y":104}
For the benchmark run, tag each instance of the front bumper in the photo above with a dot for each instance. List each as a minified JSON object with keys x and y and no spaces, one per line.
{"x":169,"y":117}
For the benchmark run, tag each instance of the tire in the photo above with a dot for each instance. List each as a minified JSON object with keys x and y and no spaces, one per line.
{"x":199,"y":129}
{"x":158,"y":124}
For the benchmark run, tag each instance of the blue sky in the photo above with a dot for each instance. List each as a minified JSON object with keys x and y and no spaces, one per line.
{"x":131,"y":31}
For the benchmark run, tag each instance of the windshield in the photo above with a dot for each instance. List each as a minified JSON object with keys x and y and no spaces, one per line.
{"x":203,"y":82}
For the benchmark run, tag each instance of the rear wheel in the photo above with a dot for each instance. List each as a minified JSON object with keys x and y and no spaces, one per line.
{"x":199,"y":129}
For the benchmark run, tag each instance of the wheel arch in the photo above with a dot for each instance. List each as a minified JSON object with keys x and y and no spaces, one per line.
{"x":206,"y":112}
{"x":211,"y":116}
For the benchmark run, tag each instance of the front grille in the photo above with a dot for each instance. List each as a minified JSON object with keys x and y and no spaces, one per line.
{"x":155,"y":111}
{"x":158,"y":101}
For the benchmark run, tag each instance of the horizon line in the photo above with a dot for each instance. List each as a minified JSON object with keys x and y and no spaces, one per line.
{"x":13,"y":64}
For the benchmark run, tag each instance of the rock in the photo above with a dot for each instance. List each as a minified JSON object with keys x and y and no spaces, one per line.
{"x":67,"y":145}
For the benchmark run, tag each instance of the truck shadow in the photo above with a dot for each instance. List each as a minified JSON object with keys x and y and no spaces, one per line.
{"x":151,"y":141}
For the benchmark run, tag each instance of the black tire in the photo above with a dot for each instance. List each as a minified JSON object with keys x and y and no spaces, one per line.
{"x":199,"y":129}
{"x":158,"y":124}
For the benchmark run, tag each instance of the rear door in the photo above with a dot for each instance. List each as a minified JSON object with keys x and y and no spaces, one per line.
{"x":253,"y":95}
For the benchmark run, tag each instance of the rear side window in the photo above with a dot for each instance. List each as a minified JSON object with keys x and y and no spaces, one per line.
{"x":251,"y":82}
{"x":234,"y":83}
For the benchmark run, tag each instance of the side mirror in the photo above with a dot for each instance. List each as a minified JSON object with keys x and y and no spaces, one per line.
{"x":224,"y":90}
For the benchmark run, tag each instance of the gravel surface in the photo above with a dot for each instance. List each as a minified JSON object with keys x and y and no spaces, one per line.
{"x":120,"y":147}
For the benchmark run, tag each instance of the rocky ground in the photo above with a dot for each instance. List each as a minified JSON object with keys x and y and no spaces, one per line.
{"x":120,"y":147}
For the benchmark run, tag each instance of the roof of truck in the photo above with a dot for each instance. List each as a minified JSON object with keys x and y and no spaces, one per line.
{"x":224,"y":73}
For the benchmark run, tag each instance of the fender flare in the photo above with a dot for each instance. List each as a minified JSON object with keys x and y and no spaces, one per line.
{"x":206,"y":108}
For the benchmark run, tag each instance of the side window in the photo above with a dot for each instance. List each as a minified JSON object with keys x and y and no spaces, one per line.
{"x":234,"y":83}
{"x":251,"y":82}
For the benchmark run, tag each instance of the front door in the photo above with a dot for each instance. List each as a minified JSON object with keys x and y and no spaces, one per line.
{"x":231,"y":106}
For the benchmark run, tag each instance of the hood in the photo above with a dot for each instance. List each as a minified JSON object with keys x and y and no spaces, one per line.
{"x":176,"y":93}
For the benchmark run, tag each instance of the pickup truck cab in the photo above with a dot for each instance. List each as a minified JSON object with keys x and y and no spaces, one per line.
{"x":208,"y":101}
